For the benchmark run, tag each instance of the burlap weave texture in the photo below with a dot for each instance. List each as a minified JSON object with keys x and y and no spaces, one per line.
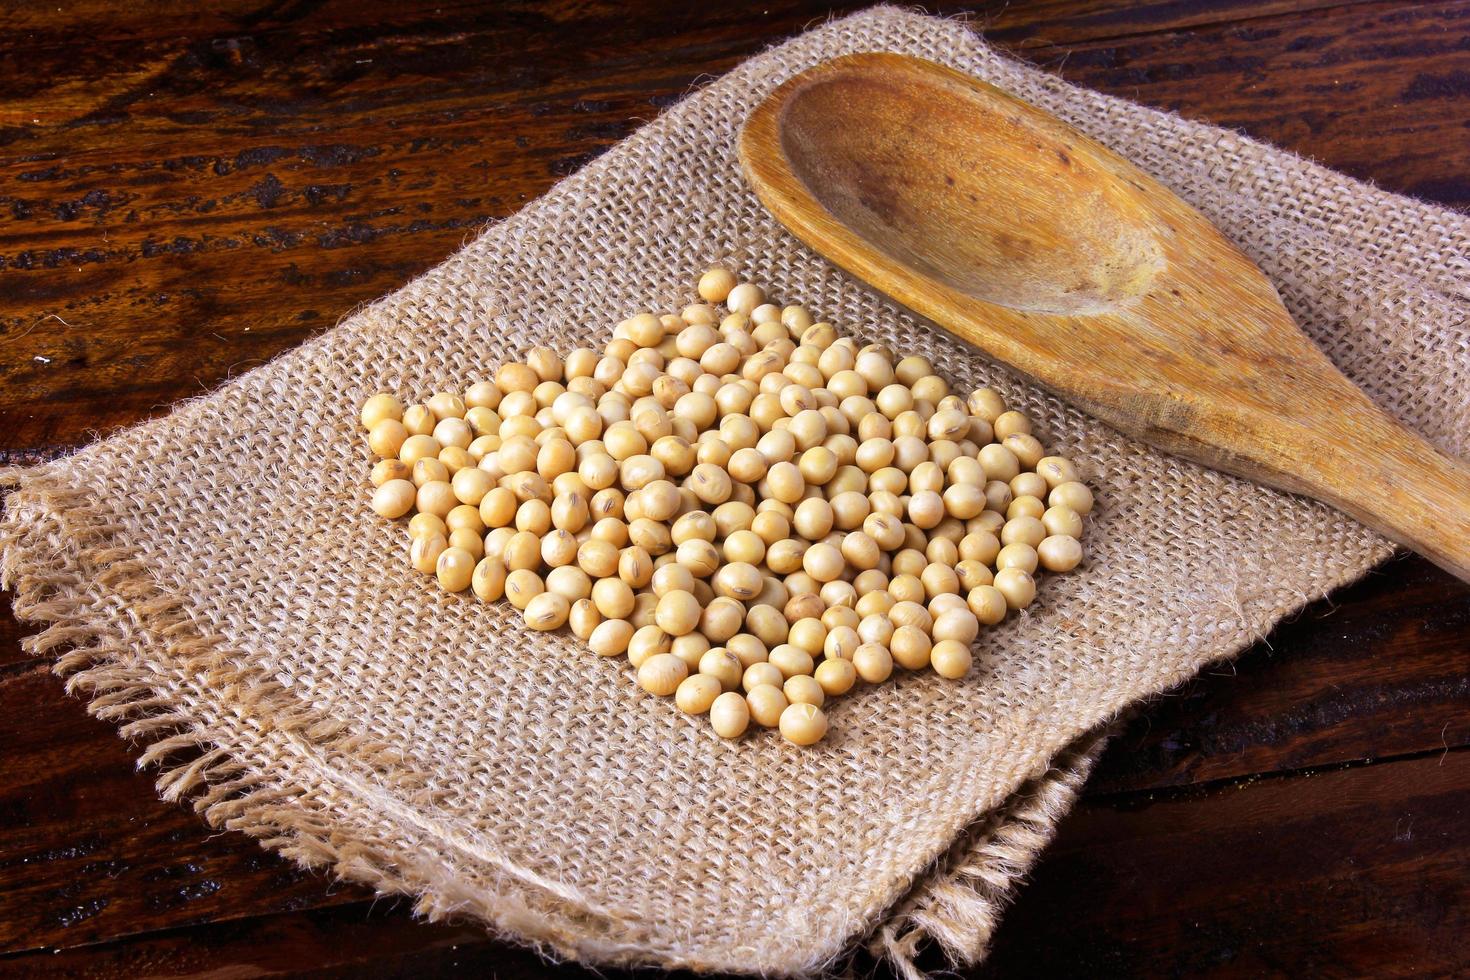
{"x":216,"y":583}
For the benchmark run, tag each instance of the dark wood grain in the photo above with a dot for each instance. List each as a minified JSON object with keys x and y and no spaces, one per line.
{"x":1359,"y":872}
{"x":1379,"y":91}
{"x":89,"y":852}
{"x":192,"y":191}
{"x":1377,"y":671}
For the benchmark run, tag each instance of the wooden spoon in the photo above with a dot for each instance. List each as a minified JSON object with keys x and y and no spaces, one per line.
{"x":1054,"y":255}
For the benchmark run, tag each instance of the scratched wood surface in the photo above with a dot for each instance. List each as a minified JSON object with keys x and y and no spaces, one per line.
{"x":186,"y":192}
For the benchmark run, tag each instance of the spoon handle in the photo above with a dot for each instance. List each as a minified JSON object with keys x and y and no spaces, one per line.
{"x":1349,"y":453}
{"x":1395,"y":482}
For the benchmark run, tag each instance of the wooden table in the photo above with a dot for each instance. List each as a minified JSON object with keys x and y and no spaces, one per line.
{"x":185,"y":193}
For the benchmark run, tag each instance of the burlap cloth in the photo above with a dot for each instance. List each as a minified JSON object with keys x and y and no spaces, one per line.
{"x":215,"y":583}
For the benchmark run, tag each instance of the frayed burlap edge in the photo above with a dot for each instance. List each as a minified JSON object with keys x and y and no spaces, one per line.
{"x":99,"y":592}
{"x":959,"y":906}
{"x":89,"y":602}
{"x":95,"y":599}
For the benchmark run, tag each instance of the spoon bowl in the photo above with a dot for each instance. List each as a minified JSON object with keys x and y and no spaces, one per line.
{"x":1057,"y":257}
{"x":1013,"y":232}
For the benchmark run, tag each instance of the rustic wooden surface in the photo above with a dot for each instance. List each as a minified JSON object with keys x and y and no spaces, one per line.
{"x":185,"y":193}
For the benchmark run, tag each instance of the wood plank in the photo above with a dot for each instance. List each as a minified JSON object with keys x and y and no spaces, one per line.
{"x":1357,"y":872}
{"x":89,"y":852}
{"x":1376,"y":670}
{"x":381,"y":938}
{"x":94,"y":21}
{"x":1377,"y":91}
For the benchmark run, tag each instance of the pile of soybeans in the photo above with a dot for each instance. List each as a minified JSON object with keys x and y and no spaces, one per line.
{"x":756,"y":510}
